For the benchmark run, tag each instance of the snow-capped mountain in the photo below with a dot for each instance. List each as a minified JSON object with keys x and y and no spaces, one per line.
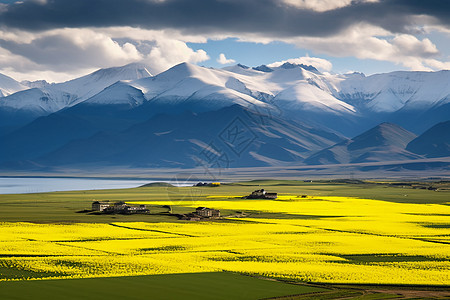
{"x":344,"y":102}
{"x":295,"y":91}
{"x":35,"y":84}
{"x":9,"y":86}
{"x":116,"y":110}
{"x":90,"y":85}
{"x":53,"y":97}
{"x":190,"y":84}
{"x":43,"y":99}
{"x":391,"y":92}
{"x":288,"y":86}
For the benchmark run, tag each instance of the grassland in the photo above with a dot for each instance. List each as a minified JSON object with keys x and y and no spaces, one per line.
{"x":178,"y":286}
{"x":322,"y":232}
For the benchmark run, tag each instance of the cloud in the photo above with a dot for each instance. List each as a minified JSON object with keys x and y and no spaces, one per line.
{"x":224,"y":61}
{"x":269,"y":17}
{"x":57,"y":53}
{"x":368,"y":42}
{"x":68,"y":49}
{"x":69,"y":37}
{"x":320,"y":64}
{"x":439,"y":65}
{"x":21,"y":68}
{"x":167,"y":53}
{"x":322,"y":5}
{"x":409,"y":45}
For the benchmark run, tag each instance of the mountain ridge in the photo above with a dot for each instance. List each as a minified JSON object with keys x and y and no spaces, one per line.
{"x":305,"y":109}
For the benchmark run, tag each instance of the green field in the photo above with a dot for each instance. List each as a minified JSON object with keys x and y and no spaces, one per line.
{"x":61,"y":206}
{"x":178,"y":286}
{"x":325,"y":229}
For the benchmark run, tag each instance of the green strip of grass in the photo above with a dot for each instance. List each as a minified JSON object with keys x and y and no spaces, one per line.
{"x":174,"y":286}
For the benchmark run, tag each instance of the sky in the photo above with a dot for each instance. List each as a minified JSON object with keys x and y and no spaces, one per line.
{"x":58,"y":40}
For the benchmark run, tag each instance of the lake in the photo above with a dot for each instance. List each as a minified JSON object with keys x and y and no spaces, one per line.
{"x":40,"y":185}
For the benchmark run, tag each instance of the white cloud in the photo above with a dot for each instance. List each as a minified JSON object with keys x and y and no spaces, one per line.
{"x":320,"y":64}
{"x":71,"y":49}
{"x":168,"y":53}
{"x":368,"y":42}
{"x":62,"y":54}
{"x":224,"y":61}
{"x":409,"y":45}
{"x":41,"y":2}
{"x":438,"y":65}
{"x":322,"y":5}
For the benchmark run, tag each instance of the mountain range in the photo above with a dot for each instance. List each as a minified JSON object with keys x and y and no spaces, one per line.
{"x":191,"y":116}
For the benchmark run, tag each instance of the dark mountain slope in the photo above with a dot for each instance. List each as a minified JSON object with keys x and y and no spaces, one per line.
{"x":385,"y":142}
{"x":435,"y":142}
{"x":232,"y":136}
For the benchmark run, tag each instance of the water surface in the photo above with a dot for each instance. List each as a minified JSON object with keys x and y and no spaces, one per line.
{"x":40,"y":185}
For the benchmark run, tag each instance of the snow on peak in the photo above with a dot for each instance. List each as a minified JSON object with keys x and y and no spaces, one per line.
{"x":397,"y":90}
{"x":91,"y":84}
{"x":35,"y":84}
{"x":294,"y":87}
{"x":291,"y":87}
{"x":120,"y":93}
{"x":186,"y":82}
{"x":128,"y":72}
{"x":51,"y":98}
{"x":9,"y":86}
{"x":38,"y":100}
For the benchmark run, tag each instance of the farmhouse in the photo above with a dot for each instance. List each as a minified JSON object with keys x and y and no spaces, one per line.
{"x":261,"y":194}
{"x":207,"y":212}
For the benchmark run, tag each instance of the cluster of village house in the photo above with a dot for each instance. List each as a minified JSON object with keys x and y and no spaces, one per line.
{"x":123,"y":208}
{"x":200,"y":213}
{"x":118,"y":207}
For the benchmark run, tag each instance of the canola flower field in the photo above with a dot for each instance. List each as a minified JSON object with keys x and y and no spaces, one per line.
{"x":324,"y":239}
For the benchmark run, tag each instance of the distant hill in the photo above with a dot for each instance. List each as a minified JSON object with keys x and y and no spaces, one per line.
{"x":384,"y":142}
{"x":157,"y":184}
{"x":435,"y":142}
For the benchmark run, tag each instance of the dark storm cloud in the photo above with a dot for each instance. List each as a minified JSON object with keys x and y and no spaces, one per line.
{"x":203,"y":16}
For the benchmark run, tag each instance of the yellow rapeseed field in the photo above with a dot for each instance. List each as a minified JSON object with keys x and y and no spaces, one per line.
{"x":326,"y":239}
